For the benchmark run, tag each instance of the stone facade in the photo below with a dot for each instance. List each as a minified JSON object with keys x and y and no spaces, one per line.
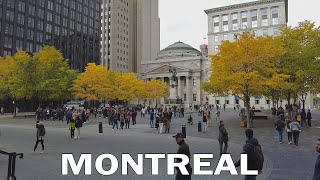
{"x":188,"y":64}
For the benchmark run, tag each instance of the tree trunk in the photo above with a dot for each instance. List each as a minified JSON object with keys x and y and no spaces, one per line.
{"x":247,"y":106}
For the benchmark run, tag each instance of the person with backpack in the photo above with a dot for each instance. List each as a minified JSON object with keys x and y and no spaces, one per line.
{"x":78,"y":125}
{"x":279,"y":127}
{"x":41,"y":132}
{"x":254,"y":154}
{"x":316,"y":174}
{"x":223,"y":138}
{"x":296,"y":129}
{"x":72,"y":127}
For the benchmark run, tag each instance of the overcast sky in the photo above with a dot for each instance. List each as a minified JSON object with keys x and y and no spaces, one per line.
{"x":186,"y":21}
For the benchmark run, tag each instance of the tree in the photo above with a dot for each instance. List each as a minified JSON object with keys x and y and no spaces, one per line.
{"x":244,"y":67}
{"x":155,"y":89}
{"x":91,"y":84}
{"x":6,"y":70}
{"x":301,"y":59}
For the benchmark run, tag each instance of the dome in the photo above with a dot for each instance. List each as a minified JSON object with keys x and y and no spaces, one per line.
{"x":178,"y":49}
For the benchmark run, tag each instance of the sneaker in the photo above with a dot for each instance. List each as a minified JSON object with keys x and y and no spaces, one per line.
{"x":280,"y":142}
{"x":41,"y":152}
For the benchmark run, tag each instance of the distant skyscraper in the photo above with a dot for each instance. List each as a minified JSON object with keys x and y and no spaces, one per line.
{"x":72,"y":26}
{"x":130,"y":33}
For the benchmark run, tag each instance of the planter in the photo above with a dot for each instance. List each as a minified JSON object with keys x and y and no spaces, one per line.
{"x":243,"y":124}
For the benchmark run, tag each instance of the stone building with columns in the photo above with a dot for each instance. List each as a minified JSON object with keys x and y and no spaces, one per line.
{"x":191,"y":67}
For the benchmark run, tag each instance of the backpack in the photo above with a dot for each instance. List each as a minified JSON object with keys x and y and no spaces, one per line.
{"x":279,"y":126}
{"x":42,"y":132}
{"x":258,"y":158}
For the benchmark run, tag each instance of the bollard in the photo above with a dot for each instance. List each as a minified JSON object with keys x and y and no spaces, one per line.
{"x":184,"y":131}
{"x":100,"y":127}
{"x":199,"y":126}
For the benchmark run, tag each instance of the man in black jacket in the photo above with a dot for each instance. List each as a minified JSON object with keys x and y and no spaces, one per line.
{"x":183,"y":149}
{"x":248,"y":149}
{"x":316,"y":175}
{"x":223,"y":138}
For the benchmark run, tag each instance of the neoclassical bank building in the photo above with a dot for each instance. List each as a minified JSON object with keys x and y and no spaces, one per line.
{"x":188,"y":65}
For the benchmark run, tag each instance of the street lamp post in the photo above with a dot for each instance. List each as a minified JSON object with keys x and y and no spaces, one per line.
{"x":14,"y":109}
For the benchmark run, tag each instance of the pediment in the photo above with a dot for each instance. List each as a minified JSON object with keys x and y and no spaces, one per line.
{"x":165,"y":69}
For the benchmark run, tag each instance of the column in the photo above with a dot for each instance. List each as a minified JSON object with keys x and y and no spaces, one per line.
{"x":180,"y":87}
{"x":188,"y":91}
{"x":199,"y":100}
{"x":162,"y":99}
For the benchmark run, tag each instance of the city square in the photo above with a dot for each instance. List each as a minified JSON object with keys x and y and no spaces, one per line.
{"x":108,"y":89}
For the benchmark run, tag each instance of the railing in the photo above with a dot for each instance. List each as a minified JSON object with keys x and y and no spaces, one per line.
{"x":12,"y":163}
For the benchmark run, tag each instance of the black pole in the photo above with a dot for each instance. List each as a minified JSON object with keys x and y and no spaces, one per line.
{"x":9,"y":167}
{"x":13,"y":169}
{"x":199,"y":126}
{"x":184,"y":131}
{"x":100,"y":127}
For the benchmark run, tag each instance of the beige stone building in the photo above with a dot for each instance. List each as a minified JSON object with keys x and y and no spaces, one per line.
{"x":130,"y":33}
{"x":264,"y":17}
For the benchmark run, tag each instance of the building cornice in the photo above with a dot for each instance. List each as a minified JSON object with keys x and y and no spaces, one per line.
{"x":248,"y":4}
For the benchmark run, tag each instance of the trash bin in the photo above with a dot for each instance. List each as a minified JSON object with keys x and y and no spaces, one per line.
{"x":184,"y":131}
{"x":199,"y":126}
{"x":100,"y":127}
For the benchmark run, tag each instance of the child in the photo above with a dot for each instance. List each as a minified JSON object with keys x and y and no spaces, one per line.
{"x":72,"y":127}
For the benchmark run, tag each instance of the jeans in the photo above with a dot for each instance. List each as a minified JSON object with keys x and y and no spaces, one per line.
{"x":115,"y":123}
{"x":204,"y":124}
{"x":127,"y":124}
{"x":72,"y":133}
{"x":37,"y":142}
{"x":151,"y":124}
{"x":179,"y":176}
{"x":225,"y":147}
{"x":289,"y":137}
{"x":280,"y":135}
{"x":296,"y":137}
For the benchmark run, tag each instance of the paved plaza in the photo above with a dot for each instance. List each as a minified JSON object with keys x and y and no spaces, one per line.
{"x":282,"y":161}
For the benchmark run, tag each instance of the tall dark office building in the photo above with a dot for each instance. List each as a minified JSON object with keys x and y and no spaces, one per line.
{"x":72,"y":26}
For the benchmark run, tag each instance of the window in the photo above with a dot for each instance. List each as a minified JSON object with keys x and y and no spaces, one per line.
{"x":40,"y":25}
{"x":275,"y":21}
{"x":10,"y":4}
{"x":216,"y":29}
{"x":244,"y":25}
{"x":22,"y":6}
{"x":39,"y":37}
{"x":10,"y":16}
{"x":20,"y":32}
{"x":216,"y":19}
{"x":31,"y":22}
{"x":50,"y":5}
{"x":244,"y":15}
{"x":254,"y":19}
{"x":268,"y":101}
{"x":29,"y":47}
{"x":226,"y":27}
{"x":49,"y":28}
{"x":257,"y":100}
{"x":227,"y":102}
{"x":8,"y":42}
{"x":49,"y":17}
{"x":265,"y":32}
{"x":216,"y":38}
{"x":194,"y":97}
{"x":264,"y":22}
{"x":235,"y":16}
{"x":41,"y":13}
{"x":225,"y":17}
{"x":194,"y":82}
{"x":19,"y":44}
{"x":275,"y":10}
{"x":30,"y":34}
{"x":235,"y":26}
{"x":21,"y":19}
{"x":254,"y":24}
{"x":217,"y":101}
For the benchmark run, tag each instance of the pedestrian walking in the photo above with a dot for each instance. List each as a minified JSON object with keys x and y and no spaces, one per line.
{"x":218,"y":116}
{"x":116,"y":118}
{"x":296,"y":129}
{"x":72,"y":127}
{"x":2,"y":111}
{"x":128,"y":118}
{"x":161,"y":119}
{"x":78,"y":126}
{"x":303,"y":118}
{"x":279,"y":127}
{"x":204,"y":123}
{"x":41,"y":132}
{"x":223,"y":138}
{"x":316,"y":174}
{"x":255,"y":156}
{"x":167,"y":125}
{"x":151,"y":120}
{"x":122,"y":119}
{"x":183,"y":149}
{"x":289,"y":131}
{"x":224,"y":107}
{"x":309,"y":117}
{"x":134,"y":117}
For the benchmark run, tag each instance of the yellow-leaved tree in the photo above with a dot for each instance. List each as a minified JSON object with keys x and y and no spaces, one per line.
{"x":155,"y":89}
{"x":244,"y":67}
{"x":91,"y":84}
{"x":6,"y":70}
